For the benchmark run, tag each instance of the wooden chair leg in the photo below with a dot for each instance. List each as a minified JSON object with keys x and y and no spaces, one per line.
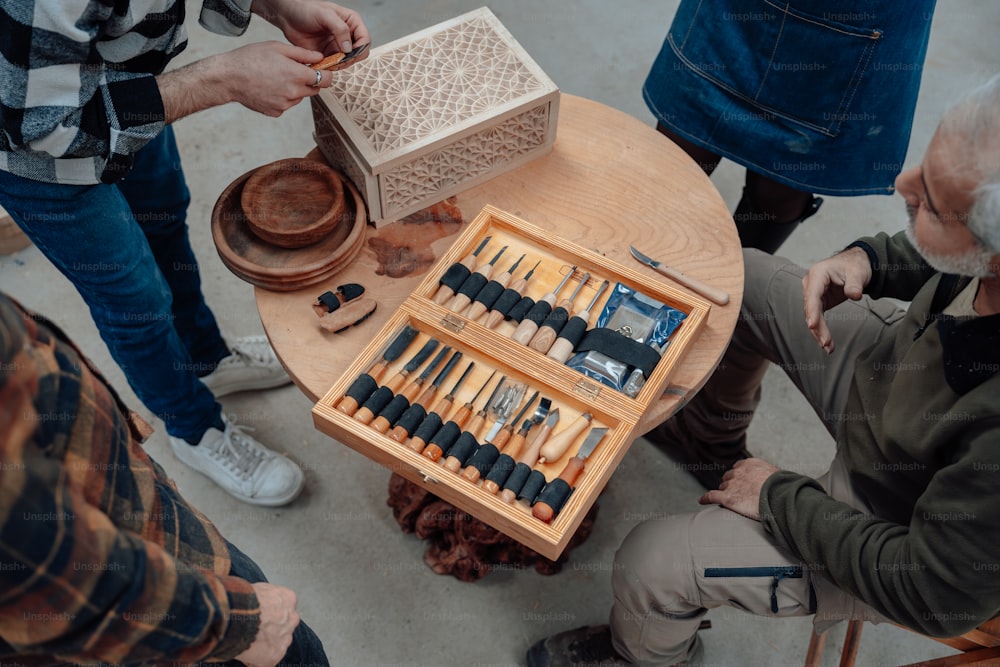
{"x":852,"y":642}
{"x":815,"y":650}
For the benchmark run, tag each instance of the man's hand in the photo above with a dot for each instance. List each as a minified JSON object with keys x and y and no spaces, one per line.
{"x":278,"y":619}
{"x":741,"y":485}
{"x":831,"y":282}
{"x":316,"y":24}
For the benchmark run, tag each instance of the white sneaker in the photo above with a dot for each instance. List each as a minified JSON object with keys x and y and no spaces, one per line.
{"x":245,"y":468}
{"x":252,"y":365}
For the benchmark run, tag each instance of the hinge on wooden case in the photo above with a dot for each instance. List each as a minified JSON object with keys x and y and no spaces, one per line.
{"x":587,"y":389}
{"x":453,"y":323}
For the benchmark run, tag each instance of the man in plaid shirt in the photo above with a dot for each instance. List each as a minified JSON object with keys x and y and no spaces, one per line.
{"x":89,"y":169}
{"x":101,"y":560}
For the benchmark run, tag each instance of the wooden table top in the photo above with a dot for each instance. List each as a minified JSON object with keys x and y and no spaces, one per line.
{"x":610,"y":181}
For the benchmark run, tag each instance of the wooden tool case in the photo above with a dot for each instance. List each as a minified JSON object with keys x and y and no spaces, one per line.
{"x":493,"y":350}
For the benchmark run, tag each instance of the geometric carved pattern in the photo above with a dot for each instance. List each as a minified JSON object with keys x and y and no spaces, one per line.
{"x":400,"y":96}
{"x":465,"y":159}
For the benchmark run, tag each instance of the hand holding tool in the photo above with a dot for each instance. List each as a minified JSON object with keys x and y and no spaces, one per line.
{"x":572,"y":333}
{"x":488,"y":295}
{"x":401,"y":401}
{"x":712,"y":293}
{"x":555,"y":321}
{"x":529,"y":325}
{"x":560,"y":442}
{"x":473,"y":284}
{"x":554,"y":495}
{"x":341,"y":60}
{"x":457,"y":273}
{"x":366,"y":383}
{"x":371,"y":407}
{"x":506,"y":301}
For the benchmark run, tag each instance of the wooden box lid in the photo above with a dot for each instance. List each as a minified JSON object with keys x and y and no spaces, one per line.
{"x":419,"y":91}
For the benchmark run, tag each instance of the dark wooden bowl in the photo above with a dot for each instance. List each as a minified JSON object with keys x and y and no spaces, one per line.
{"x":294,"y":202}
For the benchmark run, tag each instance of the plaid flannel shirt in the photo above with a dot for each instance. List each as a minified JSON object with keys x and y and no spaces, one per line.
{"x":79,"y":96}
{"x":101,"y":560}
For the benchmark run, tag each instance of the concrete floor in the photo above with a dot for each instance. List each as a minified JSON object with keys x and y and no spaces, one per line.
{"x":362,"y":584}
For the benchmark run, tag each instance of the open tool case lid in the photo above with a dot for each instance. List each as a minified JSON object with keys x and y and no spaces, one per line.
{"x":493,"y":350}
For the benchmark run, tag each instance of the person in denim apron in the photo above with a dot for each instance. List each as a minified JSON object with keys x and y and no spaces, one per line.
{"x":811,"y":97}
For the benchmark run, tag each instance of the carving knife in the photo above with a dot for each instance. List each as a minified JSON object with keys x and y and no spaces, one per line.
{"x":712,"y":293}
{"x":555,"y":493}
{"x":341,"y":60}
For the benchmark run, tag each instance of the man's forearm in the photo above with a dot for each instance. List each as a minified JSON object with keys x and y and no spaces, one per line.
{"x":195,"y":87}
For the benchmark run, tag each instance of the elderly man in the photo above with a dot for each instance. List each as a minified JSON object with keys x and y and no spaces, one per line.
{"x":904,"y":525}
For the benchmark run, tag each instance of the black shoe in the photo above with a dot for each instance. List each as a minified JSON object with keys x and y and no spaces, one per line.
{"x":590,"y":646}
{"x":706,"y":464}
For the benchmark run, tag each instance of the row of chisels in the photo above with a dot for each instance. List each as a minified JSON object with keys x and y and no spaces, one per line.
{"x":495,"y":432}
{"x":550,"y":325}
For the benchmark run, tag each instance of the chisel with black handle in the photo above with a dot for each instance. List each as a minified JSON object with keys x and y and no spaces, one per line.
{"x":366,"y":383}
{"x":456,"y":275}
{"x":381,"y":397}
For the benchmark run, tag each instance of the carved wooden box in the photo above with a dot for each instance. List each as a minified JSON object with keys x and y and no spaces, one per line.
{"x":584,"y":404}
{"x":434,"y":113}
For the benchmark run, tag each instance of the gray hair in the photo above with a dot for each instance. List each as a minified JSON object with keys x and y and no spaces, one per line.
{"x":976,"y":119}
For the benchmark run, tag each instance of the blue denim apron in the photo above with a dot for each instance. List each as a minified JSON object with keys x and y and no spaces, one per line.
{"x":815,"y":94}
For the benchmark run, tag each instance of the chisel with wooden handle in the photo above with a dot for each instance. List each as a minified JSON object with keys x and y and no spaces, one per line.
{"x":388,"y":415}
{"x":384,"y":394}
{"x":523,"y":467}
{"x":417,"y":412}
{"x":510,"y":297}
{"x":529,"y":325}
{"x":555,"y":321}
{"x":340,"y":60}
{"x":484,"y":458}
{"x":476,"y":281}
{"x":366,"y":383}
{"x":554,"y":495}
{"x":561,"y":441}
{"x":468,"y":443}
{"x":487,"y":296}
{"x":572,"y":333}
{"x":424,"y":434}
{"x":505,"y":463}
{"x":456,"y":274}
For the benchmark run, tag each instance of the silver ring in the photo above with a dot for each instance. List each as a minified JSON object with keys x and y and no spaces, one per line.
{"x":319,"y":78}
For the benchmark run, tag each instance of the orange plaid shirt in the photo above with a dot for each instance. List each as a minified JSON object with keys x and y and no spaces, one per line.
{"x":101,"y":560}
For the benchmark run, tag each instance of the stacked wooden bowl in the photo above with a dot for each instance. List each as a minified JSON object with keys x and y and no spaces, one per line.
{"x":289,"y":224}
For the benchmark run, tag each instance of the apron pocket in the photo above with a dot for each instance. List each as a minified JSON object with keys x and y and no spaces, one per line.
{"x":783,"y":61}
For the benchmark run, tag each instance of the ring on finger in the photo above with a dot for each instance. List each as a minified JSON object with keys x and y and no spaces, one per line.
{"x":319,"y":78}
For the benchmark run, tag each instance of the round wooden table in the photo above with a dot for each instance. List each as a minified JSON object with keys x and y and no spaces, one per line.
{"x":610,"y":181}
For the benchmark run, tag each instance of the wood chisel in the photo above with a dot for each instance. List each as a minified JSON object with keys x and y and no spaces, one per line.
{"x":429,"y":428}
{"x":341,"y":60}
{"x":490,"y":293}
{"x":366,"y":383}
{"x":476,"y":281}
{"x":510,"y":297}
{"x":505,"y":463}
{"x":526,"y":461}
{"x":388,"y":415}
{"x":381,"y":397}
{"x":572,"y":333}
{"x":487,"y":455}
{"x":555,"y":321}
{"x":529,"y":325}
{"x":561,"y":441}
{"x":554,"y":495}
{"x":457,"y":273}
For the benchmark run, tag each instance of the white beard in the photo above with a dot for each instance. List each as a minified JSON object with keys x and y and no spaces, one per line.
{"x":975,"y":263}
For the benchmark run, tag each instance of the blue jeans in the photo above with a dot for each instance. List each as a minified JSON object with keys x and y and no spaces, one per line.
{"x":306,"y":649}
{"x":125,"y":248}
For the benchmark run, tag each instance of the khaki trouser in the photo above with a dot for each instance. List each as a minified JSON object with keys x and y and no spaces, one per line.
{"x":669,"y":572}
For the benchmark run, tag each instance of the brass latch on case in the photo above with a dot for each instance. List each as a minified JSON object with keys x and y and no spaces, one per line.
{"x":587,"y":389}
{"x":453,"y":323}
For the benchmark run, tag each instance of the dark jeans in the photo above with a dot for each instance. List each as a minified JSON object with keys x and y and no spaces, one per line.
{"x":125,"y":248}
{"x":306,"y":649}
